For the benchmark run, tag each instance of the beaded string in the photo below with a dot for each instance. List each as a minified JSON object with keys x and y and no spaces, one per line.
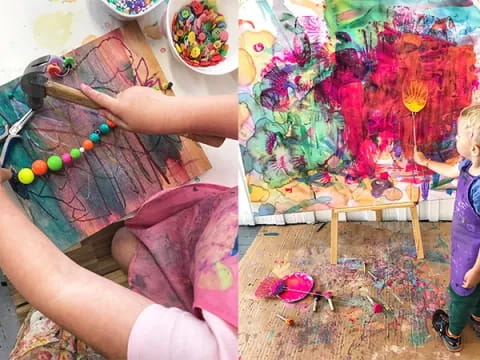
{"x":61,"y":67}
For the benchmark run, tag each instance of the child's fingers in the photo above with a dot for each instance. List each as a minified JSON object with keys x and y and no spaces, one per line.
{"x":108,"y":115}
{"x":105,"y":101}
{"x":5,"y":175}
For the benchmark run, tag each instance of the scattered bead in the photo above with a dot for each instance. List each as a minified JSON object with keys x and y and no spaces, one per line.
{"x":88,"y":145}
{"x":82,"y":149}
{"x":66,"y":158}
{"x":10,"y":95}
{"x":69,"y":62}
{"x":26,"y":176}
{"x":199,"y":34}
{"x":54,"y":70}
{"x":104,"y":129}
{"x":94,"y":137}
{"x":55,"y":163}
{"x":111,"y":124}
{"x":39,"y":167}
{"x":75,"y":153}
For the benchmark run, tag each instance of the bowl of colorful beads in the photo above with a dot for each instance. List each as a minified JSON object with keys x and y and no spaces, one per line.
{"x":127,"y":10}
{"x":203,"y":34}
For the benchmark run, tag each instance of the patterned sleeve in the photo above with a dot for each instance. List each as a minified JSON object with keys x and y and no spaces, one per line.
{"x":474,"y":196}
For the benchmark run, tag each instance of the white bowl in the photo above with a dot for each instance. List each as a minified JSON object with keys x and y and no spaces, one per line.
{"x":128,"y":17}
{"x":229,"y":9}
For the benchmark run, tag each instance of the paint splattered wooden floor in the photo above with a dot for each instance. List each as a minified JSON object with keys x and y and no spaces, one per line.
{"x":353,"y":331}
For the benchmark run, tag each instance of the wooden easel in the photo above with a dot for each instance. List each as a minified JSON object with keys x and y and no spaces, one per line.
{"x":417,"y":236}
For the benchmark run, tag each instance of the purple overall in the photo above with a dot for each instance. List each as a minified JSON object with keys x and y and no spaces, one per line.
{"x":465,"y":234}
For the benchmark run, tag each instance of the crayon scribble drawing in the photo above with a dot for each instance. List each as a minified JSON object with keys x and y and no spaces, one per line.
{"x":327,"y":98}
{"x":125,"y":169}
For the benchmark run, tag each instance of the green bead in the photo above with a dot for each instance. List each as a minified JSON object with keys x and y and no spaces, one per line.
{"x":26,"y":176}
{"x":69,"y":61}
{"x":75,"y":153}
{"x":104,"y":129}
{"x":10,"y":95}
{"x":55,"y":163}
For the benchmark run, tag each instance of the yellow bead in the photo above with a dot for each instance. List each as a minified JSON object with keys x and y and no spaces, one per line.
{"x":26,"y":176}
{"x":195,"y":52}
{"x":191,"y":37}
{"x":178,"y":48}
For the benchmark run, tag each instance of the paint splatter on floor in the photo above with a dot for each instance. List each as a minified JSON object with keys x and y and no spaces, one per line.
{"x":352,"y":331}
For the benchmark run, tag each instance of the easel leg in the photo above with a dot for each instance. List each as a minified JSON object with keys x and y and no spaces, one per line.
{"x":378,"y":215}
{"x":334,"y":238}
{"x":417,"y":235}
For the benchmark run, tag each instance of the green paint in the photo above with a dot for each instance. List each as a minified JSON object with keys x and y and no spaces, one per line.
{"x":225,"y":275}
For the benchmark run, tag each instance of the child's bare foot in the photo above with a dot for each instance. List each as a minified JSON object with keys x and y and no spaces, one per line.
{"x":440,"y":324}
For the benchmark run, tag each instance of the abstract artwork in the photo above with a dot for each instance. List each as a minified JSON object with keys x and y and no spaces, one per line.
{"x":122,"y":171}
{"x":335,"y":94}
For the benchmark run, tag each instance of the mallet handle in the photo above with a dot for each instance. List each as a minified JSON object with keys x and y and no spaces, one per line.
{"x":75,"y":96}
{"x":69,"y":94}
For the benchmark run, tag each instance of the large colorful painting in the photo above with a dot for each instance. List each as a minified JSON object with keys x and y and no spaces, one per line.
{"x":122,"y":171}
{"x":335,"y":94}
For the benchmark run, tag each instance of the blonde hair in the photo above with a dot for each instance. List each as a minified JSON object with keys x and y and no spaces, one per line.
{"x":471,"y":115}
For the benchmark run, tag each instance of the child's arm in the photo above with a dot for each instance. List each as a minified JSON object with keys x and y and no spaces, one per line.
{"x":472,"y":276}
{"x":145,"y":110}
{"x":97,"y":310}
{"x":443,"y":169}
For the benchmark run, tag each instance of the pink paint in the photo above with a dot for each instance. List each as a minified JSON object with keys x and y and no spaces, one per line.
{"x":297,"y":281}
{"x":377,"y":308}
{"x":376,"y":114}
{"x":258,"y":47}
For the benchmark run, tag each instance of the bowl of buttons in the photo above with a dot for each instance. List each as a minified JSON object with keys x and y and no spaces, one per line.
{"x":203,"y":35}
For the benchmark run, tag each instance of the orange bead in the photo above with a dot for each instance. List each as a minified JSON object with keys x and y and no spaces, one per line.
{"x":39,"y":167}
{"x":111,"y":124}
{"x":88,"y":144}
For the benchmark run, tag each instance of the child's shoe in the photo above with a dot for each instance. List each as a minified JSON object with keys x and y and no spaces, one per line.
{"x":440,"y":324}
{"x":476,"y":325}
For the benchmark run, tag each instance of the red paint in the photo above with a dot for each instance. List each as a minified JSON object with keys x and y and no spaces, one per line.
{"x":366,"y":87}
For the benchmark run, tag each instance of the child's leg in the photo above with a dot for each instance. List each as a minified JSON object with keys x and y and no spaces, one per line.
{"x":460,"y":310}
{"x":124,"y":246}
{"x":476,"y":315}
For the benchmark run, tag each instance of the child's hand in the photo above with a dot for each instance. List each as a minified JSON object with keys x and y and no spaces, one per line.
{"x":420,"y":158}
{"x":5,"y":175}
{"x":132,"y":108}
{"x":471,"y":279}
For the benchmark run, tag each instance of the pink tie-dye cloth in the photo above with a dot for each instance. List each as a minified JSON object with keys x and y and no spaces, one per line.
{"x":189,"y":256}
